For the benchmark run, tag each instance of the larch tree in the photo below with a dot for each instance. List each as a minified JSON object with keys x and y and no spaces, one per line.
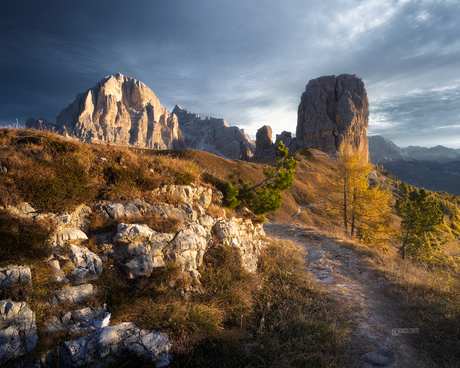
{"x":349,"y":196}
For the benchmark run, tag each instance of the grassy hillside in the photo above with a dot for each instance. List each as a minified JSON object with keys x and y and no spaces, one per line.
{"x":276,"y":317}
{"x":55,"y":174}
{"x":312,"y":163}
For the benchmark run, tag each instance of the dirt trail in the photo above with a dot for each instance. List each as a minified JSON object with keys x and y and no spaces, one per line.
{"x":375,"y":341}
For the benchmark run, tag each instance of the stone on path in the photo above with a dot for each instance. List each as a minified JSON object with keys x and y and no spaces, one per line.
{"x":380,"y":357}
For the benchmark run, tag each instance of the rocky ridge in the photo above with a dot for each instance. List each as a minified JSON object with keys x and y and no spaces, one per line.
{"x":40,"y":124}
{"x":123,"y":111}
{"x":383,"y":150}
{"x":331,"y":109}
{"x":214,"y":135}
{"x":136,"y":251}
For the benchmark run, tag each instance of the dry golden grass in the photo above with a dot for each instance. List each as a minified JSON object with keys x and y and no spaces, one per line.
{"x":167,"y":198}
{"x":312,"y":163}
{"x":215,"y":211}
{"x":275,"y":317}
{"x":56,"y":175}
{"x":428,"y":298}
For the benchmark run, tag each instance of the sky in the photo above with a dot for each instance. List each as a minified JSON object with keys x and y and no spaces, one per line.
{"x":247,"y":61}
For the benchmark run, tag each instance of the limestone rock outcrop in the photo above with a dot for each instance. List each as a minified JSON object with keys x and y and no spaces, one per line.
{"x":75,"y":294}
{"x":123,"y":111}
{"x":88,"y":266}
{"x":201,"y":195}
{"x":333,"y":109}
{"x":212,"y":135}
{"x":12,"y":275}
{"x":134,"y":243}
{"x":94,"y":348}
{"x":135,"y":250}
{"x":18,"y":335}
{"x":81,"y":320}
{"x":264,"y":143}
{"x":242,"y":235}
{"x":187,"y":249}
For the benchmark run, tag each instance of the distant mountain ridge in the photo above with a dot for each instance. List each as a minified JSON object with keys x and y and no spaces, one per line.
{"x":382,"y":150}
{"x":124,"y":111}
{"x":213,"y":135}
{"x":436,"y":168}
{"x":438,"y":153}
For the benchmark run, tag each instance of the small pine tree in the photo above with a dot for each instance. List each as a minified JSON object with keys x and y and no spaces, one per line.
{"x":263,"y":197}
{"x":421,"y":222}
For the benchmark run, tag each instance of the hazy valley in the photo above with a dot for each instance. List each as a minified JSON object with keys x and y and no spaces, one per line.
{"x":435,"y":168}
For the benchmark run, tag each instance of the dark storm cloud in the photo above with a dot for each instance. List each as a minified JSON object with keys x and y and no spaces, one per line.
{"x":245,"y":61}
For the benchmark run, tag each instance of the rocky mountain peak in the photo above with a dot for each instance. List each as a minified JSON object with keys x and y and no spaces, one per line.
{"x":382,"y":150}
{"x":183,"y":115}
{"x":121,"y":110}
{"x":333,"y":109}
{"x":264,"y":143}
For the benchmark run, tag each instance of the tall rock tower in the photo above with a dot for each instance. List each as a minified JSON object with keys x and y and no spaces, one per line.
{"x":333,"y":109}
{"x":121,"y":110}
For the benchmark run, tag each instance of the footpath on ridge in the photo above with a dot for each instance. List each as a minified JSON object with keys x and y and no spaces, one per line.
{"x":377,"y":339}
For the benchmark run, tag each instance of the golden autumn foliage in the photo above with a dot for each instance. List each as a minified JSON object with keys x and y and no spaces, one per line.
{"x":350,"y":198}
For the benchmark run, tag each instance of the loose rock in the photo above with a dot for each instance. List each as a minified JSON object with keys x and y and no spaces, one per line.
{"x":380,"y":357}
{"x":75,"y":294}
{"x":17,"y":330}
{"x":112,"y":340}
{"x":88,"y":266}
{"x":12,"y":275}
